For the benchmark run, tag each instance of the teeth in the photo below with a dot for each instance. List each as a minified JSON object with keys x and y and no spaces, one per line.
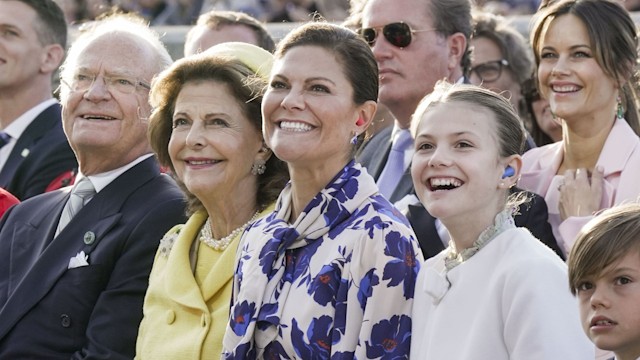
{"x":604,"y":322}
{"x":295,"y":126}
{"x":97,"y":117}
{"x":201,"y":162}
{"x":448,"y":182}
{"x":565,"y":88}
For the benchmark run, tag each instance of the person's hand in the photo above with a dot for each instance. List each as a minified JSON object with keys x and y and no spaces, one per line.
{"x":579,"y":194}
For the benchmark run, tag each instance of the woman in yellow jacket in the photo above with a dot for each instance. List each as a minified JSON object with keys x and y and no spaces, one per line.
{"x":206,"y":128}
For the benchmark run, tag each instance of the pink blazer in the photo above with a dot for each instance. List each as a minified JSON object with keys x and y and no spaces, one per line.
{"x":620,"y":158}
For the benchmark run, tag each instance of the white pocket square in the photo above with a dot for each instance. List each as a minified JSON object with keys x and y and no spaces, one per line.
{"x":78,"y":260}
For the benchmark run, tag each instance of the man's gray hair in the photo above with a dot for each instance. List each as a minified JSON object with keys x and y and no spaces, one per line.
{"x":125,"y":24}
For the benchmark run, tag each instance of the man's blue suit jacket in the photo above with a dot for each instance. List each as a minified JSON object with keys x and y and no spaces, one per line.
{"x":48,"y":311}
{"x":41,"y":155}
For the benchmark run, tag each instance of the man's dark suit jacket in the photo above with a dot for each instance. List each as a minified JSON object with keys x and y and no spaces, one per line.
{"x":373,"y":156}
{"x":48,"y":156}
{"x":48,"y":311}
{"x":532,"y":215}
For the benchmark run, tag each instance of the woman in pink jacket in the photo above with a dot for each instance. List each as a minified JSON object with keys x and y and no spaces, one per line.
{"x":586,"y":52}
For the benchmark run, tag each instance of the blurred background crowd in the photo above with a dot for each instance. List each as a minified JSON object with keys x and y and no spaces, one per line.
{"x":186,"y":12}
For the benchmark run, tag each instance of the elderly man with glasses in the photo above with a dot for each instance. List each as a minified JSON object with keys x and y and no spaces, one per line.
{"x":74,"y":263}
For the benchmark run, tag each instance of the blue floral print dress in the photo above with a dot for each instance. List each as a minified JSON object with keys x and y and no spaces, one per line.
{"x":337,"y":284}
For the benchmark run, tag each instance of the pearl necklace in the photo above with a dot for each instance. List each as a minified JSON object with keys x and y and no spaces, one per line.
{"x":221,"y":244}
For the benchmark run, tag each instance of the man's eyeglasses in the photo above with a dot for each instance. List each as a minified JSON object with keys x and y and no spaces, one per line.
{"x":397,"y":34}
{"x":489,"y":71}
{"x":120,"y":84}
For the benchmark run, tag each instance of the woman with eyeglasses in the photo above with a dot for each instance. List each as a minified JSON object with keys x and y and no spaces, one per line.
{"x":501,"y":60}
{"x":330,"y":273}
{"x":586,"y":51}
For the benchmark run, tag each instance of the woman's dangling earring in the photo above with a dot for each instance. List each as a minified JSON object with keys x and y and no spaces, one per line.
{"x":258,"y":167}
{"x":620,"y":109}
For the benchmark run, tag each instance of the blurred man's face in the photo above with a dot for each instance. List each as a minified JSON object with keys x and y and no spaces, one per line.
{"x":22,"y":56}
{"x":204,"y":37}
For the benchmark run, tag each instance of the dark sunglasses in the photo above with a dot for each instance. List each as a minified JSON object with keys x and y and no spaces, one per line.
{"x":489,"y":71}
{"x":397,"y":34}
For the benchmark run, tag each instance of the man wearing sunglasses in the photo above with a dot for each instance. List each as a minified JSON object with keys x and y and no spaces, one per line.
{"x":416,"y":43}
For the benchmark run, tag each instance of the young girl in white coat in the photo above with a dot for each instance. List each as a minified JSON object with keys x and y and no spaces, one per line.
{"x":496,"y":292}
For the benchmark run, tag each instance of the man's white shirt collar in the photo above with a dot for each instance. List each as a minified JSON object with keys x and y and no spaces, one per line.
{"x":100,"y":181}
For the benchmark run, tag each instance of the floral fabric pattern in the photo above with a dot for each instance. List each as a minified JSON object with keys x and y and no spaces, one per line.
{"x":336,"y":284}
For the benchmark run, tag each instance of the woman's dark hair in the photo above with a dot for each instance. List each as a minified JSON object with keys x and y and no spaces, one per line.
{"x":530,"y":94}
{"x":351,"y":51}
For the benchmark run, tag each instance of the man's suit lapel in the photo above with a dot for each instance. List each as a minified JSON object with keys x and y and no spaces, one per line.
{"x":424,"y":225}
{"x":404,"y":187}
{"x":38,"y":128}
{"x":95,"y":220}
{"x":384,"y":145}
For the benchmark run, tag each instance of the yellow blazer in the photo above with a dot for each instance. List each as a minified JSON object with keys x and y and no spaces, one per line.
{"x":181,"y":319}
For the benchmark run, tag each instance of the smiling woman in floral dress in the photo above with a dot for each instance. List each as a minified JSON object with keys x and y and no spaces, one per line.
{"x":330,"y":273}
